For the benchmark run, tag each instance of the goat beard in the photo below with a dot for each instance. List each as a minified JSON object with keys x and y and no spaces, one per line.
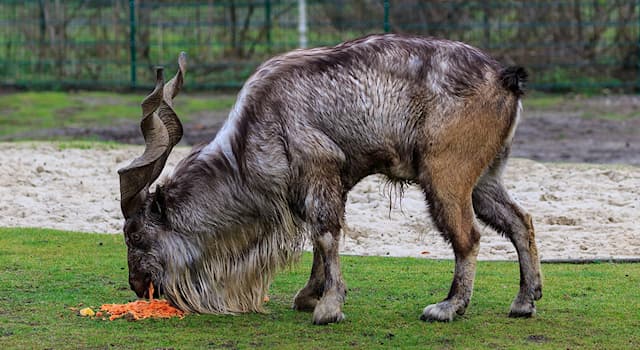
{"x":233,"y":280}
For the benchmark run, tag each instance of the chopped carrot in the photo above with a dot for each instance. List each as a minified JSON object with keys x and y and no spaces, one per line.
{"x":141,"y":309}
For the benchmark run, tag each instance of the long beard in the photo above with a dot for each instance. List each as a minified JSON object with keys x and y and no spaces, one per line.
{"x":233,"y":272}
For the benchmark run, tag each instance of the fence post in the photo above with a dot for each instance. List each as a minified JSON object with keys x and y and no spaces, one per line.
{"x":302,"y":23}
{"x":638,"y":49}
{"x":267,"y":20}
{"x":486,"y":10}
{"x":132,"y":41}
{"x":385,"y":3}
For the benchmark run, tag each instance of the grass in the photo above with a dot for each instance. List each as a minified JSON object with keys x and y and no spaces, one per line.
{"x":550,"y":103}
{"x":29,"y":111}
{"x":87,"y":144}
{"x":543,"y":101}
{"x":45,"y":272}
{"x":609,"y":115}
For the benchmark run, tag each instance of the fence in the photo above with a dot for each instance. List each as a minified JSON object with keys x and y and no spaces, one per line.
{"x":113,"y":44}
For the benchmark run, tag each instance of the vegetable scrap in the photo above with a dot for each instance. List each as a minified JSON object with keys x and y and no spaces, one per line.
{"x":141,"y":309}
{"x":86,"y":312}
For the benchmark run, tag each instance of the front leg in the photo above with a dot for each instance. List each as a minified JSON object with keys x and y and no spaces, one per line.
{"x":329,"y":307}
{"x":324,"y":210}
{"x":307,"y":298}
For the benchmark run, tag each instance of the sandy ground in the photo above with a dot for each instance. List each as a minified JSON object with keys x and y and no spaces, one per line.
{"x":579,"y":210}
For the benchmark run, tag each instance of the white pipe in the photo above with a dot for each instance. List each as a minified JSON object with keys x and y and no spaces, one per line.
{"x":302,"y":23}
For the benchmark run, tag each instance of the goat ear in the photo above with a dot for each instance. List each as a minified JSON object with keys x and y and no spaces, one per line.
{"x":158,"y":205}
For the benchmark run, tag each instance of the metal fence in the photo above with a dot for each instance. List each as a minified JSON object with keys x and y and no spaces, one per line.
{"x":114,"y":44}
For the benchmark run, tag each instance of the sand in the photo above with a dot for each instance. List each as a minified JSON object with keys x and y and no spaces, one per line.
{"x":580,"y":210}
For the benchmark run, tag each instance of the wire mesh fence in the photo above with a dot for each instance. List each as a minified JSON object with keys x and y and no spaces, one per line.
{"x":114,"y":44}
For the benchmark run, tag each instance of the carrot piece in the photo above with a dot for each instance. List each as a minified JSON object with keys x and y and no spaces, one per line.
{"x":141,"y":309}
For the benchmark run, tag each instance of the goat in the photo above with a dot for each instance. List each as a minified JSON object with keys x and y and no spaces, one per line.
{"x":306,"y":127}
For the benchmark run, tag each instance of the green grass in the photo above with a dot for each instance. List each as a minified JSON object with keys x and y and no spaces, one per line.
{"x":73,"y":144}
{"x":87,"y":144}
{"x":29,"y":111}
{"x":543,"y":101}
{"x":611,"y":115}
{"x":45,"y":272}
{"x":563,"y":103}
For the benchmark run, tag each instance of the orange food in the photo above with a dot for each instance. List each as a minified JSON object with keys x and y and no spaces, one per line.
{"x":141,"y":309}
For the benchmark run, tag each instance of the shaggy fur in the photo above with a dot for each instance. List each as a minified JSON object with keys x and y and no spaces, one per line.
{"x":306,"y":127}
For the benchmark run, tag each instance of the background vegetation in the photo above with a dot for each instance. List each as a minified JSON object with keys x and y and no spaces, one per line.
{"x":566,"y":44}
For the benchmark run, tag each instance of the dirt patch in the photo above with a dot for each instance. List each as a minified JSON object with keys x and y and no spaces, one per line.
{"x":555,"y":136}
{"x":600,"y":129}
{"x":537,"y":338}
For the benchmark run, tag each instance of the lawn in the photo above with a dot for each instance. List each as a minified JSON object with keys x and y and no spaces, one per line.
{"x":29,"y":111}
{"x":44,"y":273}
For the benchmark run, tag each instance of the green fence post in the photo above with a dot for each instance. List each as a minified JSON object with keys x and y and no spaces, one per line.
{"x":486,"y":25}
{"x":638,"y":49}
{"x":387,"y":29}
{"x":132,"y":41}
{"x":267,"y":20}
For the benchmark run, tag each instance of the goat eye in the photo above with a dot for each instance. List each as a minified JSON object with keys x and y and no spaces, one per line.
{"x":136,"y":237}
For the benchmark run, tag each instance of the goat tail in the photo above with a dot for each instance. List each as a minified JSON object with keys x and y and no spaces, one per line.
{"x":514,"y":79}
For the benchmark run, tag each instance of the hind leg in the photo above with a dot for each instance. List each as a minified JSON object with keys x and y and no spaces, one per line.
{"x":453,"y":215}
{"x":494,"y":206}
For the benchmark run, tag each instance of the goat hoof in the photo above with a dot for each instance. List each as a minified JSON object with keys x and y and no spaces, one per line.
{"x":522,"y":309}
{"x":305,"y":300}
{"x":324,"y":315}
{"x":440,"y":312}
{"x":305,"y":304}
{"x":326,"y":319}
